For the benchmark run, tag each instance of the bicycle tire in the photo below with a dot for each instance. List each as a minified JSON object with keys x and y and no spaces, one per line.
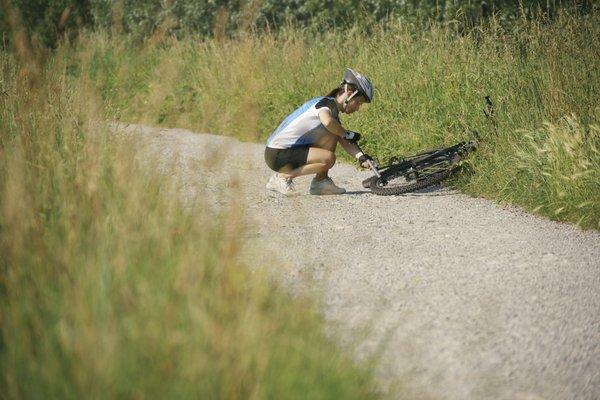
{"x":415,"y":172}
{"x":395,"y":162}
{"x":395,"y":173}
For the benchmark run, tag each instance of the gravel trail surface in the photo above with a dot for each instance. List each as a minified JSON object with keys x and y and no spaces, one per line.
{"x":457,"y":297}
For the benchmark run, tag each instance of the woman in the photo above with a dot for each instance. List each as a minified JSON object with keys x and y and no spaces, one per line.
{"x":304,"y":143}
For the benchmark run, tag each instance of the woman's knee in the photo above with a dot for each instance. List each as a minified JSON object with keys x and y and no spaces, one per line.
{"x":321,"y":156}
{"x":330,"y":160}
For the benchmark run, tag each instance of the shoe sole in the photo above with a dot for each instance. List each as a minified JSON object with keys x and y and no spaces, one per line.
{"x":287,"y":194}
{"x":325,"y":193}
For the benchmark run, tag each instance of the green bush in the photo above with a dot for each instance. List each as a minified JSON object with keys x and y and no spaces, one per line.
{"x":50,"y":20}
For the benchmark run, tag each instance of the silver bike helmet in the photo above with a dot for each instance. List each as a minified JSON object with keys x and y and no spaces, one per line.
{"x":363,"y":85}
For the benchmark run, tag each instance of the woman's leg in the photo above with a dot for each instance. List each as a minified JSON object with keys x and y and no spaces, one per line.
{"x":318,"y":162}
{"x":321,"y":158}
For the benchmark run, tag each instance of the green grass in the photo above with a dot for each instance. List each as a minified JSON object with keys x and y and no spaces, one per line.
{"x":109,"y":287}
{"x":544,"y":78}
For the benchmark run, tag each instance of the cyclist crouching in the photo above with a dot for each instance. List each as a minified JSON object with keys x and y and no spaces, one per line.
{"x":304,"y":143}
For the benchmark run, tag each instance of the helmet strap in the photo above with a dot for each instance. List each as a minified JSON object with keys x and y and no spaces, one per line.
{"x":345,"y":105}
{"x":348,"y":99}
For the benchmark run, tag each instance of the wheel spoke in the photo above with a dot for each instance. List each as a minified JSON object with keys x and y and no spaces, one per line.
{"x":432,"y":169}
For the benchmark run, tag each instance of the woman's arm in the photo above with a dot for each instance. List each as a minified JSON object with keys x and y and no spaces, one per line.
{"x":330,"y":123}
{"x":351,"y":148}
{"x":333,"y":126}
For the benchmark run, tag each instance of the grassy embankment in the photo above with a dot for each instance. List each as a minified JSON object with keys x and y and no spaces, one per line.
{"x":109,"y":288}
{"x":543,"y":153}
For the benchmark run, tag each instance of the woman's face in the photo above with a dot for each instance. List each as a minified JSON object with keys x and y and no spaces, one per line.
{"x":354,"y":104}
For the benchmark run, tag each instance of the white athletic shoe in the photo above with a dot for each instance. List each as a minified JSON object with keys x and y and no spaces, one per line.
{"x":325,"y":186}
{"x":282,"y":185}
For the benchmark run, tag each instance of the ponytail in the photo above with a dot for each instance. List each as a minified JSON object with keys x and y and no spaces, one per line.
{"x":335,"y":92}
{"x":340,"y":89}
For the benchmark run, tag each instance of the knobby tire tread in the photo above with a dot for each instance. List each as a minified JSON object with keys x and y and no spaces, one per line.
{"x":389,"y":191}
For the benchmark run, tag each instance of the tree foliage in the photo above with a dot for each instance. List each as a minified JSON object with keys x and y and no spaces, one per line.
{"x":49,"y":19}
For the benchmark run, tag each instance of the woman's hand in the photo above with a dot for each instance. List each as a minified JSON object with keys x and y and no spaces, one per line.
{"x":364,"y":159}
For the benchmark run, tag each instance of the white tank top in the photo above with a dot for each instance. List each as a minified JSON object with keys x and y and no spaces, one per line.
{"x":303,"y":126}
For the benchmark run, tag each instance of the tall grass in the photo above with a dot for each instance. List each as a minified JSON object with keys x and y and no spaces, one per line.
{"x":109,"y":288}
{"x":430,"y":88}
{"x":563,"y":164}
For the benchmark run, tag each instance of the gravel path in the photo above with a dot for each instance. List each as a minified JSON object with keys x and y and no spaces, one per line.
{"x":458,"y":298}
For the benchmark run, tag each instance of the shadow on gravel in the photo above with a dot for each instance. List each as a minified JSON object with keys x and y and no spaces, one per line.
{"x":357,"y":192}
{"x":435,"y":190}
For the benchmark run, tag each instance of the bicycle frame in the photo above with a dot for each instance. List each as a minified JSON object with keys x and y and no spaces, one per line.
{"x":414,"y":157}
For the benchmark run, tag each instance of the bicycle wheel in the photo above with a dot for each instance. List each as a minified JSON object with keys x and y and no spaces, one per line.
{"x":395,"y":163}
{"x":399,"y":179}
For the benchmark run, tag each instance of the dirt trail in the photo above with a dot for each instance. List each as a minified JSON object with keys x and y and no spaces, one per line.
{"x":460,"y":297}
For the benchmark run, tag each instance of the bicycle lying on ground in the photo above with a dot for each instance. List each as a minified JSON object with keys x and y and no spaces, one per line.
{"x":418,"y":171}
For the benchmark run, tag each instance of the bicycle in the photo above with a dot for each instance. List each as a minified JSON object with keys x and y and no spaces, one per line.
{"x":418,"y":171}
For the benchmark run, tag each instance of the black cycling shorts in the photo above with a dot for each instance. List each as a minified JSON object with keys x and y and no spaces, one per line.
{"x":291,"y":158}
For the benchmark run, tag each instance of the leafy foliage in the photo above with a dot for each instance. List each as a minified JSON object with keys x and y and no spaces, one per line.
{"x":49,"y":19}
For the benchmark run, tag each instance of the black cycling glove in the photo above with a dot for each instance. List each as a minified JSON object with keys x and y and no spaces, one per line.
{"x":352,"y":136}
{"x":364,"y":158}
